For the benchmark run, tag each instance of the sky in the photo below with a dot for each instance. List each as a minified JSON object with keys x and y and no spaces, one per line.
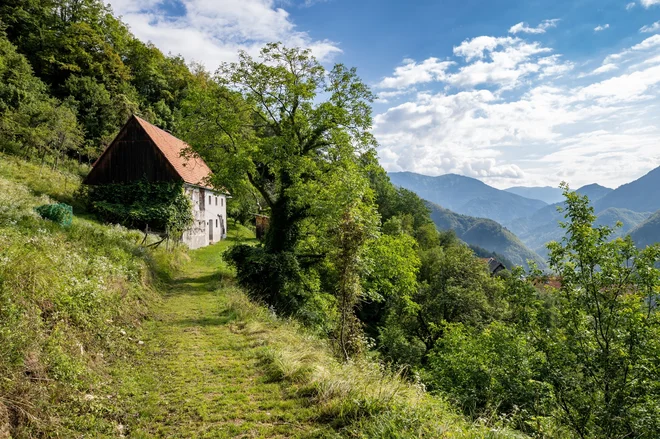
{"x":512,"y":92}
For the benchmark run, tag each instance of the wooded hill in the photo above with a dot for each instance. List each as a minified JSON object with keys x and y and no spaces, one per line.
{"x":72,"y":74}
{"x":487,"y":234}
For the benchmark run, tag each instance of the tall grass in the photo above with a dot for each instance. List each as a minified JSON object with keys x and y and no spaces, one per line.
{"x":361,"y":399}
{"x":71,"y":300}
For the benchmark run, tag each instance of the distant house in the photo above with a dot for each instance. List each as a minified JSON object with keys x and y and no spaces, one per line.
{"x":142,"y":150}
{"x":494,"y":266}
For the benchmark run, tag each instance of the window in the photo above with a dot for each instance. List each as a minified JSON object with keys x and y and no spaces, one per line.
{"x":209,"y":200}
{"x":216,"y":223}
{"x":222,"y":201}
{"x":216,"y":201}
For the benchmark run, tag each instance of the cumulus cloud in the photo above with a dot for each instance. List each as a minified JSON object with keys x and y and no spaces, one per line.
{"x":504,"y":67}
{"x":540,"y":29}
{"x":649,"y":3}
{"x":410,"y":73}
{"x":210,"y":33}
{"x":499,"y":61}
{"x":531,"y":124}
{"x":601,"y":27}
{"x":650,"y":28}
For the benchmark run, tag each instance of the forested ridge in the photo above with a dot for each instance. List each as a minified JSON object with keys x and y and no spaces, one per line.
{"x":358,"y":262}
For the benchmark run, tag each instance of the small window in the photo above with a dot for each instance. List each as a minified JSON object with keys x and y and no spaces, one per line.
{"x":216,"y":223}
{"x":216,"y":201}
{"x":209,"y":200}
{"x":222,"y":201}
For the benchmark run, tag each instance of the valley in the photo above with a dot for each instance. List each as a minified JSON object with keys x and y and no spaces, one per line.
{"x":516,"y":225}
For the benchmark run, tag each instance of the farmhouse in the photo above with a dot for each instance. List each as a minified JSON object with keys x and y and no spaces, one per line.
{"x":142,"y":150}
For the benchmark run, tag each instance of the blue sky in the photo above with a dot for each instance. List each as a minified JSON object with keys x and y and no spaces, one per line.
{"x":510,"y":92}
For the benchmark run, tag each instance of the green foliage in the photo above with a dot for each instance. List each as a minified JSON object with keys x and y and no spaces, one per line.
{"x":59,"y":213}
{"x":65,"y":295}
{"x":91,"y":75}
{"x":161,"y":206}
{"x":602,"y":351}
{"x":262,"y":127}
{"x":32,"y":123}
{"x":488,"y":371}
{"x":577,"y":361}
{"x":454,"y":287}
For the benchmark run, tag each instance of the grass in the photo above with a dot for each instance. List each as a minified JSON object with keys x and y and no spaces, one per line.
{"x":100,"y":338}
{"x":217,"y":365}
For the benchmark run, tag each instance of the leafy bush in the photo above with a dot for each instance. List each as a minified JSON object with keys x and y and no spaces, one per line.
{"x":279,"y":281}
{"x":162,"y":206}
{"x":59,"y":213}
{"x":487,"y":371}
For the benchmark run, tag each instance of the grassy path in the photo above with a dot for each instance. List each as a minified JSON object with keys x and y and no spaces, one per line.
{"x":198,"y":374}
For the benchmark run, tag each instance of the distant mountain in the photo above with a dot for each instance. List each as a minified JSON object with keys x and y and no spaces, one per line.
{"x":537,"y":237}
{"x":630,"y":219}
{"x":547,"y":194}
{"x":641,"y":195}
{"x":648,"y":232}
{"x":548,"y":217}
{"x":484,"y":233}
{"x":467,"y":196}
{"x":594,"y":191}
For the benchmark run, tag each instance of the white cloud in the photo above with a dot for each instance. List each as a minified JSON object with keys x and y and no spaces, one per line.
{"x":650,"y":28}
{"x":210,"y":32}
{"x":540,"y":29}
{"x":630,"y":5}
{"x":532,"y":125}
{"x":477,"y":47}
{"x":601,"y":27}
{"x":505,"y":68}
{"x":649,"y":3}
{"x":649,"y":43}
{"x":600,"y":70}
{"x":503,"y":62}
{"x":431,"y":69}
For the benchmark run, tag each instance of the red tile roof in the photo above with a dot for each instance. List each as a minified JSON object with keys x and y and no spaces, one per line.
{"x":192,"y":170}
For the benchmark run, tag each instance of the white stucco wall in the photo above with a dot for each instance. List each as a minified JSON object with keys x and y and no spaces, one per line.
{"x":210,"y":217}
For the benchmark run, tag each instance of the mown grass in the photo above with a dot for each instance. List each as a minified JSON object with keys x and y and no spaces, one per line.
{"x":218,"y":365}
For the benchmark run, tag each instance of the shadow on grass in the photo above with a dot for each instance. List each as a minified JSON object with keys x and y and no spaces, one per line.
{"x":223,"y":318}
{"x":194,"y":285}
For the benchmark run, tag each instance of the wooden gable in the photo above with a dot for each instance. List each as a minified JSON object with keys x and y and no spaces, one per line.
{"x":131,"y":156}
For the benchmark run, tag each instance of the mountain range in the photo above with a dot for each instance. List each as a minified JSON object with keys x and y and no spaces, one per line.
{"x":468,"y":196}
{"x":518,"y":222}
{"x":484,"y":233}
{"x":647,"y":232}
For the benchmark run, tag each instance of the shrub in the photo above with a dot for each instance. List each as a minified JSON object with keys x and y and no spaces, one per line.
{"x":162,"y":206}
{"x":59,"y":213}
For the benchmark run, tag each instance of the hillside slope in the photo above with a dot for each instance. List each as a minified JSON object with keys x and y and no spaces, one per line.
{"x":641,"y":195}
{"x":100,"y":337}
{"x":648,"y":232}
{"x":484,"y":233}
{"x":467,"y":196}
{"x":543,"y":226}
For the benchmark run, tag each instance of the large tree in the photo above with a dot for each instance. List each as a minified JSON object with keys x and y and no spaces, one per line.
{"x":277,"y":124}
